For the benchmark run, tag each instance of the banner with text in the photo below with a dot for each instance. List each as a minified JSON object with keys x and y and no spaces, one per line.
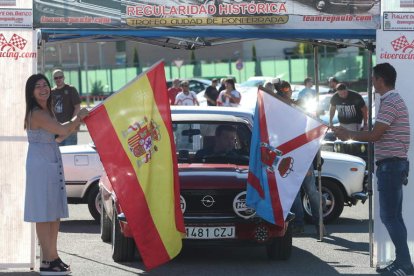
{"x":189,"y":14}
{"x":18,"y":61}
{"x":397,"y":48}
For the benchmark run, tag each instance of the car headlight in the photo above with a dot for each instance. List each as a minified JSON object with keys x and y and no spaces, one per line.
{"x":240,"y":208}
{"x":183,"y":205}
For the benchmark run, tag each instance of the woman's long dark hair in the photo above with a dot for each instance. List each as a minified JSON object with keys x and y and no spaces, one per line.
{"x":31,"y":102}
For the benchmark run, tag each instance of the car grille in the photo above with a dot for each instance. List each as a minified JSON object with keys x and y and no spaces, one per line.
{"x":209,"y":202}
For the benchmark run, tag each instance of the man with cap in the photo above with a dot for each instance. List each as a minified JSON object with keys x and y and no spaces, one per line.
{"x":212,"y":93}
{"x":351,"y":108}
{"x":66,"y":104}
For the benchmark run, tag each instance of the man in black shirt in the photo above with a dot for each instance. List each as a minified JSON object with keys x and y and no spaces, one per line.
{"x":211,"y":93}
{"x":351,"y":108}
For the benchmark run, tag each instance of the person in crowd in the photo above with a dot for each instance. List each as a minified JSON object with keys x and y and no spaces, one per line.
{"x":212,"y":93}
{"x":269,"y":86}
{"x":174,"y":90}
{"x":230,"y":96}
{"x":284,"y":90}
{"x":391,"y":136}
{"x":66,"y":103}
{"x":224,"y":142}
{"x":307,"y":92}
{"x":351,"y":109}
{"x":45,"y":198}
{"x":222,"y":85}
{"x":186,"y":97}
{"x":332,"y":83}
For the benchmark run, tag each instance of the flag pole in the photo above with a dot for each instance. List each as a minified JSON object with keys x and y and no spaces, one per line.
{"x":318,"y":155}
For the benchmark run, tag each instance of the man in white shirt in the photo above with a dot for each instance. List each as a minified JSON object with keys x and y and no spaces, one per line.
{"x":186,"y":97}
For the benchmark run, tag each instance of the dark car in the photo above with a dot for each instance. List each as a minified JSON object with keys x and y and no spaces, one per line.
{"x":213,"y":190}
{"x":345,"y":5}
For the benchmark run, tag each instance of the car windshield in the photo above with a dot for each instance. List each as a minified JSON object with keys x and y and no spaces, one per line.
{"x":212,"y":142}
{"x":252,"y":83}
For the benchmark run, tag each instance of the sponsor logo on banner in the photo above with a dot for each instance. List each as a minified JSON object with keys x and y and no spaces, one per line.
{"x":398,"y":21}
{"x":14,"y":47}
{"x":401,"y":48}
{"x":141,"y":140}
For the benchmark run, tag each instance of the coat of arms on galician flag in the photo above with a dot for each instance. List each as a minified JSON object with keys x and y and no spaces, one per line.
{"x":142,"y":137}
{"x":274,"y":157}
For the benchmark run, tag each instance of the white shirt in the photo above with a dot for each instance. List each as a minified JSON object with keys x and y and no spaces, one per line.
{"x":225,"y":101}
{"x":183,"y":99}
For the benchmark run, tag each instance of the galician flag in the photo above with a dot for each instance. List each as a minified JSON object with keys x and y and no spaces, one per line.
{"x":284,"y":142}
{"x":132,"y":132}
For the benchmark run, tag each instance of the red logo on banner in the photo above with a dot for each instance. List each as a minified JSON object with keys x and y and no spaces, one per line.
{"x":402,"y":43}
{"x":16,"y":41}
{"x":13,"y":48}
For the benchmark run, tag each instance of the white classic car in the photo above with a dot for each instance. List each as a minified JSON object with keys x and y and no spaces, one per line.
{"x":343,"y":175}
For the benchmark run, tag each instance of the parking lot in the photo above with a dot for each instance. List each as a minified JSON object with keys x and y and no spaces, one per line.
{"x":344,"y":252}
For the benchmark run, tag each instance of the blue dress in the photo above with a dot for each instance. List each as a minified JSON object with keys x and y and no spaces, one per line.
{"x":45,"y":198}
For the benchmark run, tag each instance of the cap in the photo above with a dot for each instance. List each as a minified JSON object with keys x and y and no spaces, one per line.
{"x":276,"y":80}
{"x":57,"y":73}
{"x":214,"y":79}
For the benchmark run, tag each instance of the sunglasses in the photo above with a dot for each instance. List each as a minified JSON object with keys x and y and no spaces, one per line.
{"x":58,"y":78}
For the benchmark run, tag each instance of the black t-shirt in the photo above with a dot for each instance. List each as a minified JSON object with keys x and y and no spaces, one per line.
{"x":349,"y":109}
{"x":212,"y":93}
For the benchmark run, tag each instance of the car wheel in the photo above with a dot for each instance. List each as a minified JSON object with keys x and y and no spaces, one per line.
{"x":321,"y":5}
{"x":106,"y":226}
{"x":334,"y":199}
{"x":280,"y":248}
{"x":123,"y":249}
{"x":94,"y":202}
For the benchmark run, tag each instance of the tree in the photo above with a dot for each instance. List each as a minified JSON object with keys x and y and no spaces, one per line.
{"x":136,"y":61}
{"x":196,"y":65}
{"x":257,"y":66}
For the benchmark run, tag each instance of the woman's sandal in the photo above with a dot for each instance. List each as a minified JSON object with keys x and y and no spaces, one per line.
{"x":62,"y":263}
{"x":54,"y":267}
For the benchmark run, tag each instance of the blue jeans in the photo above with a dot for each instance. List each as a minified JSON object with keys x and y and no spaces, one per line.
{"x":390,"y":179}
{"x":309,"y":185}
{"x":70,"y":140}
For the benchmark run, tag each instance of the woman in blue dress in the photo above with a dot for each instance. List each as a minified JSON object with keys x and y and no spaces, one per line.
{"x":45,"y":198}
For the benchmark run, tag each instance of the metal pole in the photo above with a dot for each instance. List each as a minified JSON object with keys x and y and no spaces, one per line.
{"x":85,"y":64}
{"x":370,"y":165}
{"x":316,"y":78}
{"x":43,"y":49}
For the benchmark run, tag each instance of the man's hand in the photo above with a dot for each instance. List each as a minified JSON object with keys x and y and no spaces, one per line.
{"x":341,"y":133}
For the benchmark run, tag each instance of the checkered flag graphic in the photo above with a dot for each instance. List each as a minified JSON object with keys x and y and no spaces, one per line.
{"x":2,"y":40}
{"x":18,"y":41}
{"x":399,"y":43}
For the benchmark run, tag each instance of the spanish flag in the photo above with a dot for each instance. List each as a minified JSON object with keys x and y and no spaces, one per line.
{"x":132,"y":132}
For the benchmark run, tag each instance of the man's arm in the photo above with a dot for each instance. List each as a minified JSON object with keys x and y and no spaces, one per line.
{"x":365,"y":136}
{"x":332,"y":110}
{"x":364,"y":110}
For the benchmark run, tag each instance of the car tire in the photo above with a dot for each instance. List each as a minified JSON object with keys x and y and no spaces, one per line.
{"x":334,"y":202}
{"x":106,"y":225}
{"x":94,"y":202}
{"x":123,"y":249}
{"x":280,"y":248}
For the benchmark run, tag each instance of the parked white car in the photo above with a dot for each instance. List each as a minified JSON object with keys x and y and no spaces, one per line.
{"x":83,"y":168}
{"x":342,"y":174}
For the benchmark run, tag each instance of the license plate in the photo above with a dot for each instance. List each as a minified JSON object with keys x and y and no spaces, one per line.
{"x":217,"y":232}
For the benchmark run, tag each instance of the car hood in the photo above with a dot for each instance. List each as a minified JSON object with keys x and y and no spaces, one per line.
{"x":212,"y":176}
{"x":341,"y":157}
{"x":84,"y":149}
